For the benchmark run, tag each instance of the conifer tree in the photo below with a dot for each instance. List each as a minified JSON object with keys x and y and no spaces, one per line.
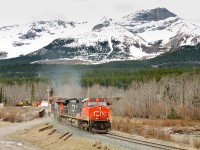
{"x":33,"y":92}
{"x":1,"y":95}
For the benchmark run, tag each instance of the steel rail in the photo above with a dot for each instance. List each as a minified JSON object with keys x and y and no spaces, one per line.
{"x":143,"y":142}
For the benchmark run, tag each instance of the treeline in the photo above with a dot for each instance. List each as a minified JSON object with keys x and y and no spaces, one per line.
{"x":183,"y":57}
{"x":122,"y":78}
{"x":21,"y":70}
{"x":3,"y":97}
{"x":20,"y":81}
{"x":87,"y":77}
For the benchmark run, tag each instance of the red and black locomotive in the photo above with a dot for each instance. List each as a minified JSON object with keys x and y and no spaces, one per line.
{"x":90,"y":114}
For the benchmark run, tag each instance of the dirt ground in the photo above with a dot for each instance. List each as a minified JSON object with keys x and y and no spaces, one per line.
{"x":27,"y":136}
{"x":52,"y":142}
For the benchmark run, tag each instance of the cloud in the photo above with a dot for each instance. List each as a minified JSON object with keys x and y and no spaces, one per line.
{"x":14,"y":11}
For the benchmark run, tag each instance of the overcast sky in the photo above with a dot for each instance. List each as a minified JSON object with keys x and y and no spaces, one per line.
{"x":20,"y":11}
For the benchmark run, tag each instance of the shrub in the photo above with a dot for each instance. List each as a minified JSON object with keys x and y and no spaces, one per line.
{"x":139,"y":128}
{"x":173,"y":114}
{"x":10,"y":117}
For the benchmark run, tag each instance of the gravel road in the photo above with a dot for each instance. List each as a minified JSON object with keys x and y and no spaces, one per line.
{"x":10,"y":128}
{"x":14,"y":127}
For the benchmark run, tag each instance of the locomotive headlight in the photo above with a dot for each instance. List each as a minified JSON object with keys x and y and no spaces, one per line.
{"x":100,"y":108}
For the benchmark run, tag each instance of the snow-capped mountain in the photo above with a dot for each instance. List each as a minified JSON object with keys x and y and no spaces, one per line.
{"x":16,"y":40}
{"x":141,"y":35}
{"x":161,"y":26}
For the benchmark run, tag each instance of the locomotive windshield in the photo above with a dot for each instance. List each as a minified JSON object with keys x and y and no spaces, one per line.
{"x":102,"y":103}
{"x":90,"y":104}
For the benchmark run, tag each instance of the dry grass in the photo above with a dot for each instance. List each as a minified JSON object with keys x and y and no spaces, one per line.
{"x":18,"y":114}
{"x":153,"y":128}
{"x":196,"y":143}
{"x":168,"y":122}
{"x":157,"y":133}
{"x":140,"y":128}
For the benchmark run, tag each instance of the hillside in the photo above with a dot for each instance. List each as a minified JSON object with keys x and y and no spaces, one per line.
{"x":185,"y":56}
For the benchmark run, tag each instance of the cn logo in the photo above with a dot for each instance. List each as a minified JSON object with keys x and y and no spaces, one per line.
{"x":99,"y":113}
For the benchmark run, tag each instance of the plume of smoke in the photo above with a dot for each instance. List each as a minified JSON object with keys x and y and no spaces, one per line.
{"x":66,"y":83}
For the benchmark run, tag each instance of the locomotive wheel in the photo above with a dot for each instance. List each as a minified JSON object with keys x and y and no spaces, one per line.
{"x":94,"y":130}
{"x":79,"y":124}
{"x":108,"y":129}
{"x":89,"y":129}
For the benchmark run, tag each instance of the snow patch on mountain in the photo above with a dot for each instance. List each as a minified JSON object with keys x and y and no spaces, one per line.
{"x":137,"y":53}
{"x":110,"y":44}
{"x":140,"y":35}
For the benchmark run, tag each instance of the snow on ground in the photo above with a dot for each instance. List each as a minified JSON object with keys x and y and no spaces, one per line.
{"x":151,"y":36}
{"x":110,"y":44}
{"x":137,"y":53}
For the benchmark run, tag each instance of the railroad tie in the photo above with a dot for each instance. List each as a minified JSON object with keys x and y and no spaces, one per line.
{"x":97,"y":143}
{"x":99,"y":146}
{"x":45,"y":128}
{"x":68,"y":136}
{"x":63,"y":135}
{"x":107,"y":147}
{"x":52,"y":132}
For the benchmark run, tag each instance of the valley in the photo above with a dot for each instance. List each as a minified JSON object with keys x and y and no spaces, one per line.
{"x":145,"y":64}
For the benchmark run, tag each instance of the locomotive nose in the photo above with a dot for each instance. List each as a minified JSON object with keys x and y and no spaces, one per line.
{"x":99,"y":113}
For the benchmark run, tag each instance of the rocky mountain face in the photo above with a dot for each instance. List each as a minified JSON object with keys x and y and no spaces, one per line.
{"x":141,"y":35}
{"x":3,"y":55}
{"x":150,"y":15}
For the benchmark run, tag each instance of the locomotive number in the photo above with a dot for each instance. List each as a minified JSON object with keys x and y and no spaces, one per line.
{"x":99,"y":113}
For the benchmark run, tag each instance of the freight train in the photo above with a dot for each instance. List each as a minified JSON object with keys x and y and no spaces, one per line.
{"x":90,"y":114}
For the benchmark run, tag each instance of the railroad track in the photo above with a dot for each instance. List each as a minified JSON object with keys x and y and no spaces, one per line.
{"x":129,"y":139}
{"x":142,"y":142}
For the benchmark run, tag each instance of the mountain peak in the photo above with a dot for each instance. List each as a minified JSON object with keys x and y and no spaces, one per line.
{"x":104,"y":22}
{"x":105,"y":19}
{"x":150,"y":15}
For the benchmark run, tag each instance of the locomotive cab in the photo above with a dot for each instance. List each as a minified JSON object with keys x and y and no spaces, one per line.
{"x":97,"y":113}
